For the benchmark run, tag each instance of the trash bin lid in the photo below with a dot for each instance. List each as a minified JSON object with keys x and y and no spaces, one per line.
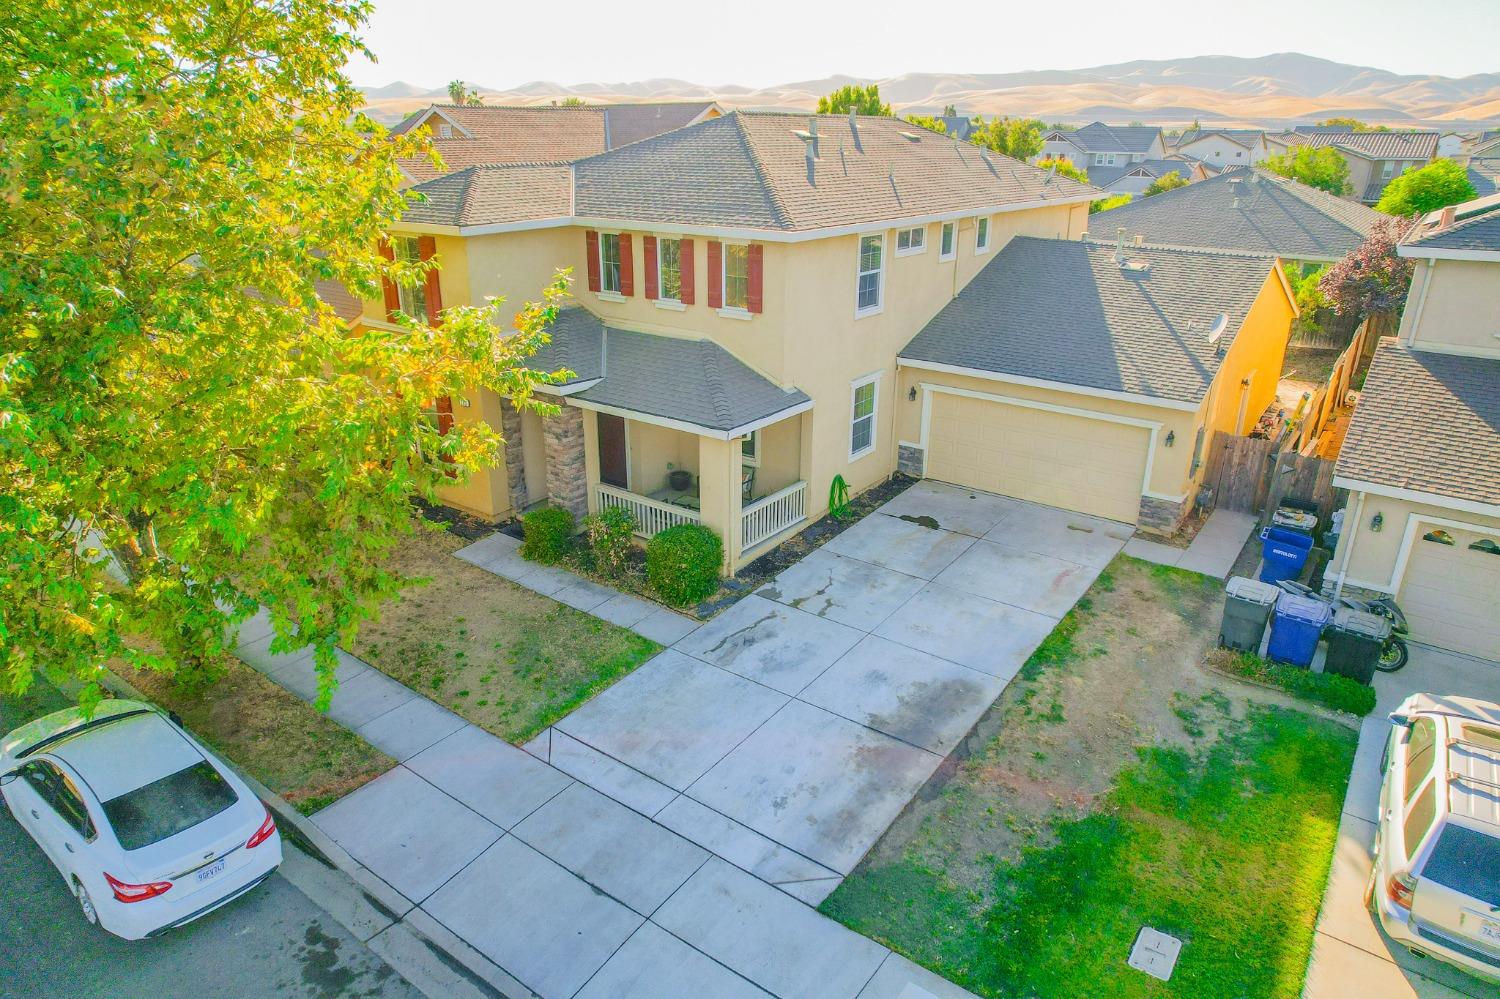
{"x":1357,"y":622}
{"x":1252,"y":590}
{"x":1297,"y":520}
{"x":1304,"y":609}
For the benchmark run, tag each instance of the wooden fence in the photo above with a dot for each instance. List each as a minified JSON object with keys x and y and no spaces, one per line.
{"x":1256,"y":475}
{"x":1328,"y":400}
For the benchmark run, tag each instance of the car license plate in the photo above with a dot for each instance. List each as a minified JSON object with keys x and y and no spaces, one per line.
{"x":217,"y":867}
{"x":1489,"y":931}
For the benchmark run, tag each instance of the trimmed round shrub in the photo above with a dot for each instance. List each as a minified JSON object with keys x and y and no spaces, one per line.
{"x":548,"y":534}
{"x":610,"y":532}
{"x":683,"y":562}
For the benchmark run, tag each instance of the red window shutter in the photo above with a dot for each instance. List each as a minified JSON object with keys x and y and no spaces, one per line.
{"x":686,"y":262}
{"x":627,"y":266}
{"x":427,"y":249}
{"x":445,"y":414}
{"x":592,"y":239}
{"x":757,"y":277}
{"x":715,"y":275}
{"x":392,"y":297}
{"x":653,"y":278}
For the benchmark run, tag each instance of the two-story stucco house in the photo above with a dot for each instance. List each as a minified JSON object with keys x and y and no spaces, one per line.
{"x":1421,"y":459}
{"x":759,"y":308}
{"x":1100,"y":145}
{"x":1374,"y":158}
{"x":1223,"y":147}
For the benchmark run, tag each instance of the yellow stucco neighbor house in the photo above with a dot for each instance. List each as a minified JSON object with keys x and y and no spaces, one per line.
{"x":1422,"y":457}
{"x":747,"y":290}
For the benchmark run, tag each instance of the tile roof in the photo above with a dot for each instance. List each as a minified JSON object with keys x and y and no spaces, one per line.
{"x":1427,"y":422}
{"x":1252,"y":211}
{"x":1066,"y":311}
{"x":1375,"y":145}
{"x":1477,"y":228}
{"x":689,"y":381}
{"x":543,"y":134}
{"x":513,"y":192}
{"x":1097,"y":137}
{"x":750,"y":169}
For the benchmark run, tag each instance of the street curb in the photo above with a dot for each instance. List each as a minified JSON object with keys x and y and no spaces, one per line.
{"x":372,"y":911}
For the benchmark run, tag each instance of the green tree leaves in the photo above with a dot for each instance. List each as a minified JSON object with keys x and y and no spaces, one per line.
{"x":1322,"y":167}
{"x":1416,"y":192}
{"x":864,"y":100}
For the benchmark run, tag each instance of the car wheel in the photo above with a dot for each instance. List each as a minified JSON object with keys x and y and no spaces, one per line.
{"x":85,"y":903}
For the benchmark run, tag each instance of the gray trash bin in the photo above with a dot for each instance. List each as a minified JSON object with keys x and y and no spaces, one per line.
{"x":1246,"y":611}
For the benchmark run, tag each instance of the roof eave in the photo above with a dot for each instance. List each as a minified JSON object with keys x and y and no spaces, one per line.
{"x":941,"y":367}
{"x":1416,"y":495}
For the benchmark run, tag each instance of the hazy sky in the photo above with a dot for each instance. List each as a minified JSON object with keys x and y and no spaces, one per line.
{"x":502,"y":44}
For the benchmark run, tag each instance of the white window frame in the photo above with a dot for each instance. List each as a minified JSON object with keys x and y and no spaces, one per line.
{"x":661,"y":294}
{"x":1104,"y":159}
{"x":916,"y":237}
{"x":859,"y":248}
{"x":948,"y":234}
{"x":725,"y":309}
{"x":874,"y":417}
{"x":605,"y":291}
{"x":753,"y":458}
{"x":412,"y":298}
{"x":981,"y":235}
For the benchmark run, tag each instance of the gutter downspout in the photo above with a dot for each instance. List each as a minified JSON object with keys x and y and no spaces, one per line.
{"x":1353,"y":534}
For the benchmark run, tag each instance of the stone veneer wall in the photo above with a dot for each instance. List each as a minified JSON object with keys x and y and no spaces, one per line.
{"x":515,"y":455}
{"x":1162,"y":516}
{"x":909,"y":459}
{"x":567,"y":477}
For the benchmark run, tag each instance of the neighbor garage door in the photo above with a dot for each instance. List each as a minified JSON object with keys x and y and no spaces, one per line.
{"x":1448,"y":592}
{"x":1092,"y":466}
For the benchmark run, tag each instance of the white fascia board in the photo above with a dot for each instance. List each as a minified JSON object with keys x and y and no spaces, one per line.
{"x":1416,"y":496}
{"x":1441,"y":253}
{"x":995,"y":376}
{"x":684,"y":425}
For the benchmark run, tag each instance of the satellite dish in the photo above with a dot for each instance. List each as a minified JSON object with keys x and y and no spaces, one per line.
{"x":1217,"y":327}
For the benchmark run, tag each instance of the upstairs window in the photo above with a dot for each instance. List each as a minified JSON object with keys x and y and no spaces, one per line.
{"x":413,"y":297}
{"x":910,"y":241}
{"x":609,"y":262}
{"x":949,"y":245}
{"x":981,"y":235}
{"x":736,"y":276}
{"x":871,"y":270}
{"x":1386,"y":169}
{"x":669,"y":268}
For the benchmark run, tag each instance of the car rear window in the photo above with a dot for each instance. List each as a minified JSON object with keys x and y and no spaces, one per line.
{"x":169,"y":805}
{"x":1466,"y":861}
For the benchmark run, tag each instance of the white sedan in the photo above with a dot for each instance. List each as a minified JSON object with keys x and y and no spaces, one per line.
{"x":147,"y":828}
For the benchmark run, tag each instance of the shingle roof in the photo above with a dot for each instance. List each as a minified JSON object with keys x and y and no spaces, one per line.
{"x":1427,"y":422}
{"x":1375,"y":145}
{"x":1246,"y":137}
{"x":1479,"y":231}
{"x":345,"y":304}
{"x":1103,"y":176}
{"x":1066,"y":311}
{"x":750,"y":169}
{"x":674,"y":378}
{"x":1484,"y":174}
{"x":511,"y":192}
{"x":544,"y":134}
{"x":1273,"y":215}
{"x":1097,"y":137}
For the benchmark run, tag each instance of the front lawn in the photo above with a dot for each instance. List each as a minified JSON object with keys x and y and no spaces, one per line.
{"x":501,"y":656}
{"x":1118,"y":784}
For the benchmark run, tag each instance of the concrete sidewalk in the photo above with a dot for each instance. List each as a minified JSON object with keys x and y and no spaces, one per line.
{"x":1351,"y":955}
{"x":1212,"y":552}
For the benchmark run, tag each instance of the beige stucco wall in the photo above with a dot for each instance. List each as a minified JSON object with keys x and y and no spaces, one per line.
{"x":1372,"y":561}
{"x":1221,"y":152}
{"x":1360,"y":174}
{"x":655,"y":451}
{"x":1454,"y":305}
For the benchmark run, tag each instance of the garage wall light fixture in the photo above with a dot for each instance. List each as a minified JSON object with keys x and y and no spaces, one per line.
{"x":1377,"y":522}
{"x":1171,"y":438}
{"x":911,"y":394}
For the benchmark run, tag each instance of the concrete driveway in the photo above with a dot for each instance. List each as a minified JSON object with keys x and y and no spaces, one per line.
{"x":1351,"y":955}
{"x":669,"y":837}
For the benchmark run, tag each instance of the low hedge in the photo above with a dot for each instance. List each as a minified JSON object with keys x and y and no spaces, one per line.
{"x":683,"y":562}
{"x":548,"y":534}
{"x":1328,"y":689}
{"x":610,"y":532}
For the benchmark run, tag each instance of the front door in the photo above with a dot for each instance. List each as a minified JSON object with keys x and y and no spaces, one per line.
{"x":613,"y":465}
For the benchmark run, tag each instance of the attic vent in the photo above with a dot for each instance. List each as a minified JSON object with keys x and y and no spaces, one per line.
{"x":1136,"y":266}
{"x":911,"y":137}
{"x":1217,"y":327}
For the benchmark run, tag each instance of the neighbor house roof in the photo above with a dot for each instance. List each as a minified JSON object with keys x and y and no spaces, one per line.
{"x":1249,"y":210}
{"x":1098,"y":137}
{"x":1373,"y":145}
{"x":1246,"y":137}
{"x":1427,"y":422}
{"x":1104,"y":176}
{"x":499,"y":193}
{"x":750,"y":172}
{"x":1484,"y":174}
{"x":1476,"y":227}
{"x":486,"y":134}
{"x":345,"y":304}
{"x":1068,"y":312}
{"x":695,"y":384}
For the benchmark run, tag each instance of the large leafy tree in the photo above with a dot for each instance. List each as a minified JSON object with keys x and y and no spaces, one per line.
{"x":864,"y":100}
{"x":929,"y":122}
{"x":1166,"y":182}
{"x":179,"y":178}
{"x":1372,"y":281}
{"x":1416,"y":192}
{"x":1019,"y":138}
{"x":1320,"y":167}
{"x":1064,"y":167}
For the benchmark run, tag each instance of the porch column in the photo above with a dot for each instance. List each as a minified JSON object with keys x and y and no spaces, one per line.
{"x":567,"y":476}
{"x":515,"y":455}
{"x":719,"y":471}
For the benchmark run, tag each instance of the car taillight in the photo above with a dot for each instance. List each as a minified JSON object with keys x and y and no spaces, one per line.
{"x":1400,"y":889}
{"x":266,"y":831}
{"x":137,"y":893}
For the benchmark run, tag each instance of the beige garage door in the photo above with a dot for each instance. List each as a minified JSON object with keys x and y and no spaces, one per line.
{"x":1449,"y":591}
{"x":1092,"y":466}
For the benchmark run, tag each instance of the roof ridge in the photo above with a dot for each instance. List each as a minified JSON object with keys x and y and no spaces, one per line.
{"x":773,"y":197}
{"x":713,"y":377}
{"x":1200,"y":251}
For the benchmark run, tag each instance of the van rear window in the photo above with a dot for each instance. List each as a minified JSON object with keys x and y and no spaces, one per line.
{"x":1466,"y":861}
{"x":169,"y":805}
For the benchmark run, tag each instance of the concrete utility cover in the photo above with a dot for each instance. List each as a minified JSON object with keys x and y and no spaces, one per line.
{"x":1155,"y":953}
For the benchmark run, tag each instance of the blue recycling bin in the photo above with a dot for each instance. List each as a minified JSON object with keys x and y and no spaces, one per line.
{"x":1285,"y":553}
{"x":1296,"y":625}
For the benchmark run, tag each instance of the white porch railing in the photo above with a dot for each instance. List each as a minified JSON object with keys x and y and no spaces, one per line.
{"x":651,"y":516}
{"x":770,"y":515}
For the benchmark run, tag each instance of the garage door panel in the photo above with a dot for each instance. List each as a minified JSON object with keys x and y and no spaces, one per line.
{"x":1449,"y":594}
{"x":1094,"y":466}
